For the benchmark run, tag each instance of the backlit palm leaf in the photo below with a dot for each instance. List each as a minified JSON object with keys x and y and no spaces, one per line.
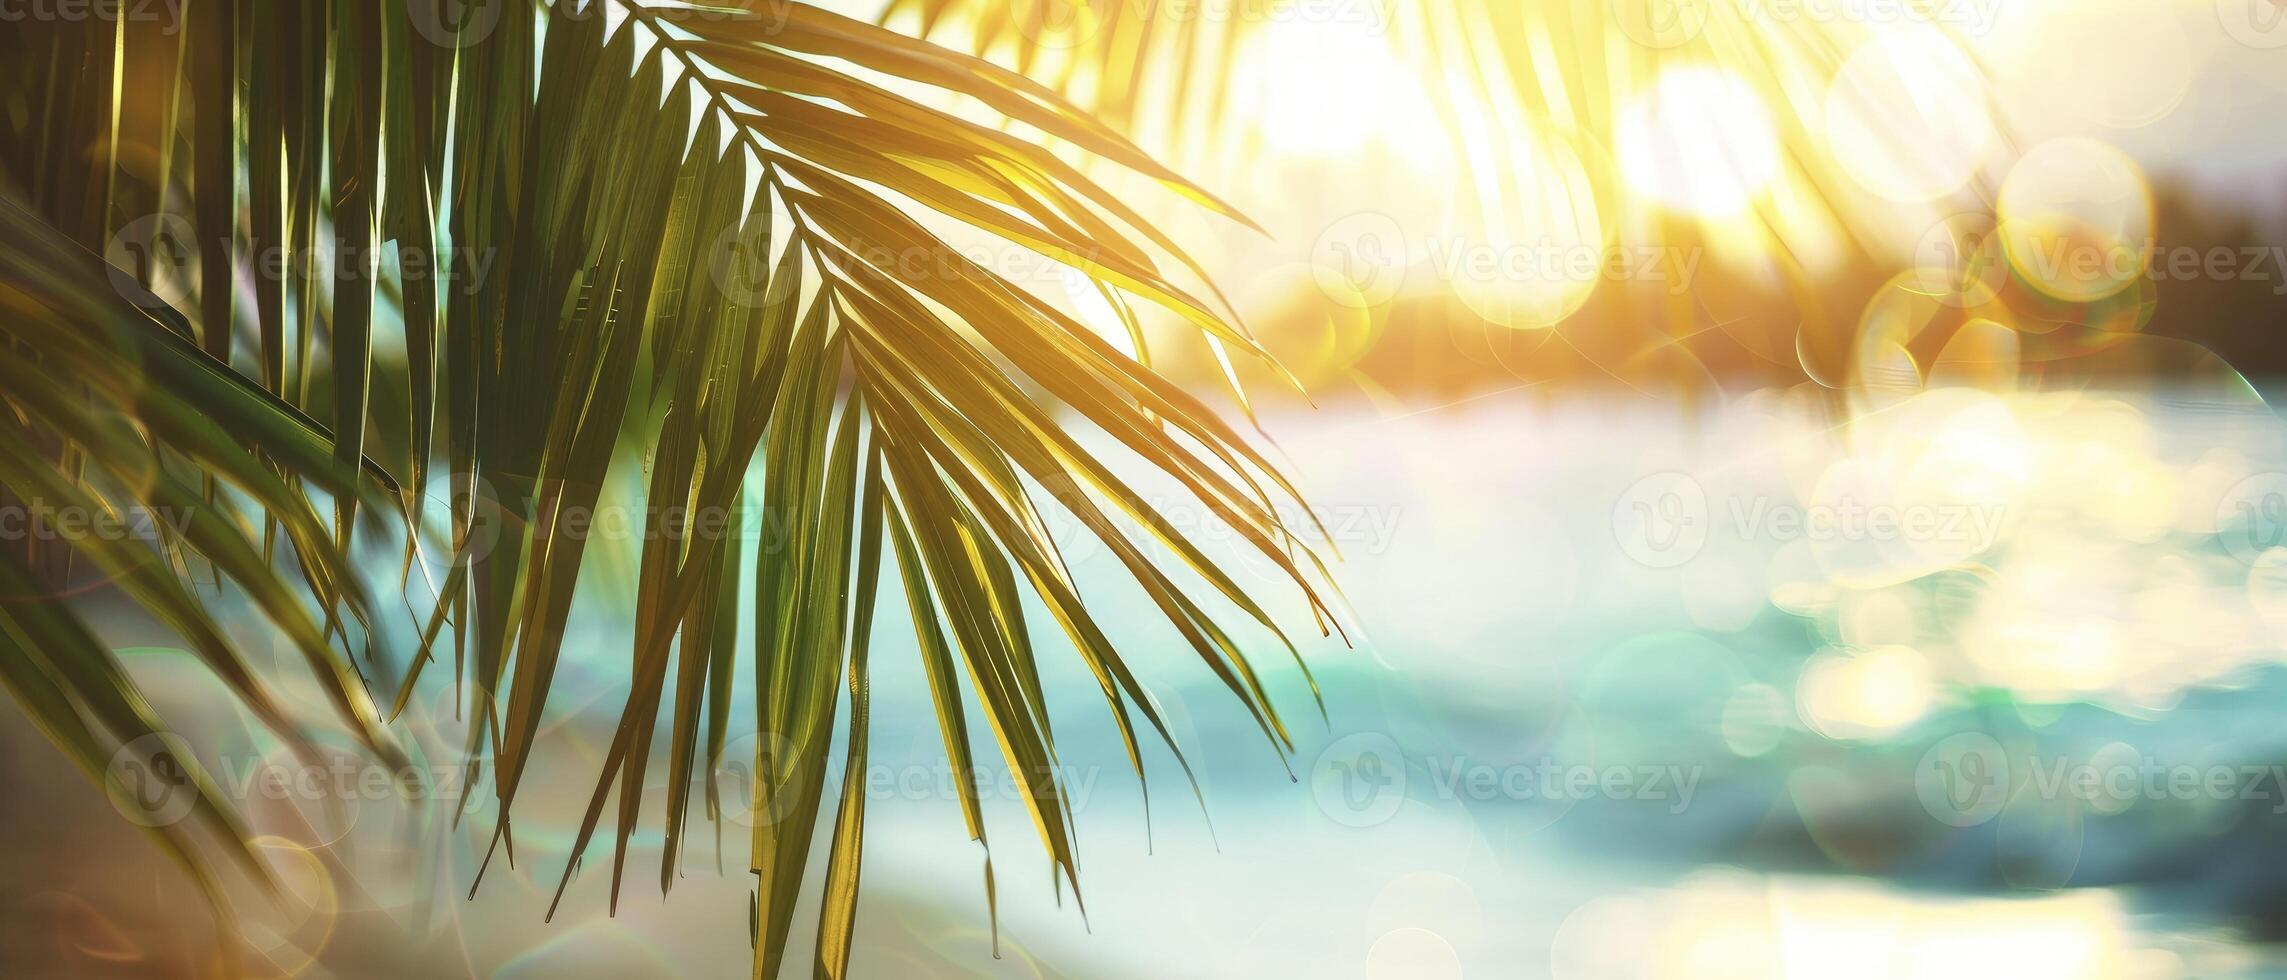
{"x":692,"y":219}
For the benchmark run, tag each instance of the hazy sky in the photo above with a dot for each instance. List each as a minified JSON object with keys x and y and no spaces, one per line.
{"x":2170,"y":81}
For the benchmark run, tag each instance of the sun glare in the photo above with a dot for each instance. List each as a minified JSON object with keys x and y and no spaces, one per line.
{"x":1701,"y":141}
{"x":1907,"y":117}
{"x":1326,"y":86}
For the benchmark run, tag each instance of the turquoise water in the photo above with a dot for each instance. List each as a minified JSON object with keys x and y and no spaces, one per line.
{"x":1552,"y":751}
{"x":1589,"y":727}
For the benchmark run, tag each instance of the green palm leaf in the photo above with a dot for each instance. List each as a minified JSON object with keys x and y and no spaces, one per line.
{"x":663,"y":227}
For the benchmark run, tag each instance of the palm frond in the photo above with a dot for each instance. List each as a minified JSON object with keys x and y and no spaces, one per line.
{"x":546,"y":234}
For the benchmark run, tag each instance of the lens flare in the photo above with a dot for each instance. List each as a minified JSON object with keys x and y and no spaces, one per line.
{"x":2076,"y":219}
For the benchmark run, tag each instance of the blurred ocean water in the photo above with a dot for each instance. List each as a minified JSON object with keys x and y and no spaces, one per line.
{"x":1989,"y":685}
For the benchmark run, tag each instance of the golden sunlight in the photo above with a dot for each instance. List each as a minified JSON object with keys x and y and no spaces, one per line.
{"x":1368,"y":489}
{"x":1699,"y":140}
{"x":1325,"y":86}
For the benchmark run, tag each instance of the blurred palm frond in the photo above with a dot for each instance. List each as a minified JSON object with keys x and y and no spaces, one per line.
{"x":516,"y":243}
